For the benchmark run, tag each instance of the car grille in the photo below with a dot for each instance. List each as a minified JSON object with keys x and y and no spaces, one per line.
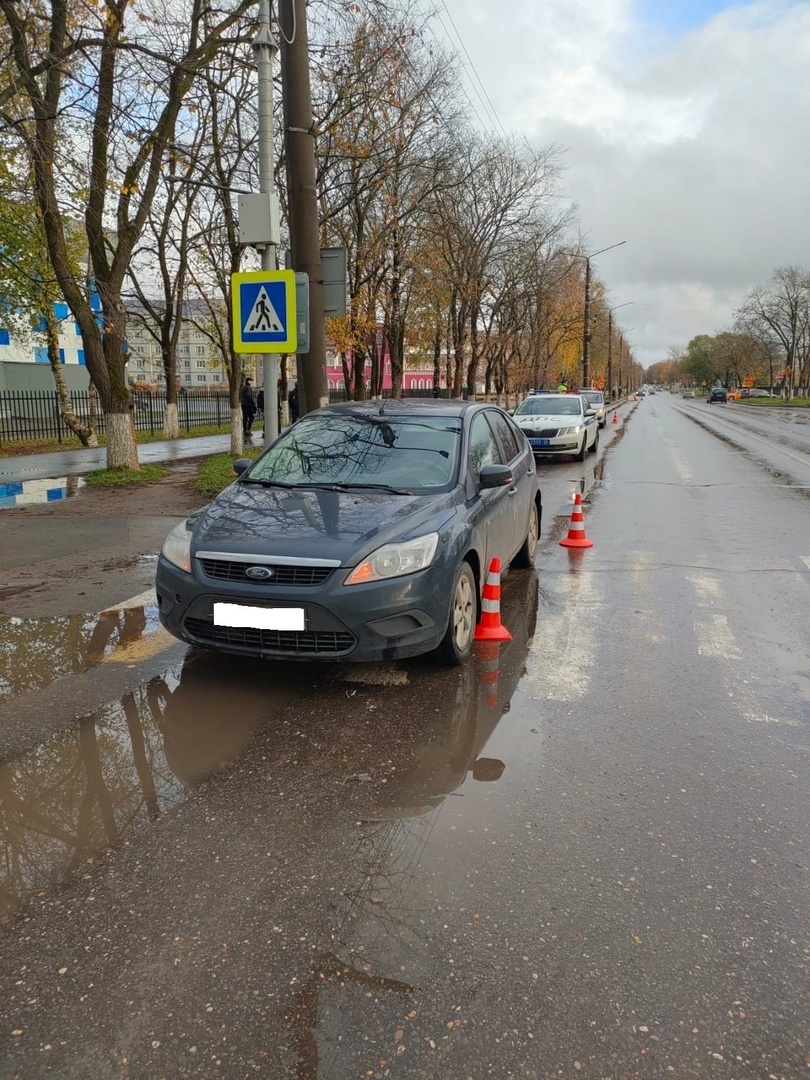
{"x":545,"y":433}
{"x":284,"y":641}
{"x":222,"y":570}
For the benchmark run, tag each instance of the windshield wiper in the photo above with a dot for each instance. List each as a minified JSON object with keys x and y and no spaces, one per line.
{"x":344,"y":486}
{"x":267,"y":483}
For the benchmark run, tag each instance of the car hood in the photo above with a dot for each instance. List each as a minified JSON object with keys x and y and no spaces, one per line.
{"x":550,"y":420}
{"x":253,"y":520}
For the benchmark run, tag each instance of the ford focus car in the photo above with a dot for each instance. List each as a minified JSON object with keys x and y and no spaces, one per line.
{"x":364,"y":532}
{"x":558,"y":424}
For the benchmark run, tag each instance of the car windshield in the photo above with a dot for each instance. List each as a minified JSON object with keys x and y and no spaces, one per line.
{"x":361,"y":450}
{"x":594,"y":396}
{"x":549,"y":406}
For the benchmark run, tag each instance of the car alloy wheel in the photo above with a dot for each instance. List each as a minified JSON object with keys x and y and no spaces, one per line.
{"x":457,"y":642}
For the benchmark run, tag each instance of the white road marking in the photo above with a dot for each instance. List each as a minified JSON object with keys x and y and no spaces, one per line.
{"x":716,"y":639}
{"x":144,"y":599}
{"x":714,"y":636}
{"x":806,"y":560}
{"x":564,"y":654}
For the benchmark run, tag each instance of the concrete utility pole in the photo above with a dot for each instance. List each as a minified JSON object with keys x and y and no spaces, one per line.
{"x":264,"y":49}
{"x":586,"y":322}
{"x":305,"y":241}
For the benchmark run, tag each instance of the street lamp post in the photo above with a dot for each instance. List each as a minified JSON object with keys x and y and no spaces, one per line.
{"x":265,"y":47}
{"x":610,"y":347}
{"x":586,"y":322}
{"x":621,"y":358}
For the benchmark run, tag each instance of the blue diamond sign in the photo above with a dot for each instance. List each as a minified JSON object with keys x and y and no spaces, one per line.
{"x":263,"y":305}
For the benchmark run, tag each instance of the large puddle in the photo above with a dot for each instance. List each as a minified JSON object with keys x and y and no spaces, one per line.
{"x":37,"y":652}
{"x":65,"y":800}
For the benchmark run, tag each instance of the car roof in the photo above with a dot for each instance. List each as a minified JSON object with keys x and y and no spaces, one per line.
{"x":405,"y":407}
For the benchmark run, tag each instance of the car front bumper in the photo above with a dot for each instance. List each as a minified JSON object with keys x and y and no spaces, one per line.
{"x":568,"y":444}
{"x":381,"y":620}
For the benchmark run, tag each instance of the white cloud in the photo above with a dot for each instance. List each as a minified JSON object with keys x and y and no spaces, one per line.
{"x":693,"y":148}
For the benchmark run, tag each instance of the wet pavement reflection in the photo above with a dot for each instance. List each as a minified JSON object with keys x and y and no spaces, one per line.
{"x":88,"y":787}
{"x":36,"y":652}
{"x":35,"y":492}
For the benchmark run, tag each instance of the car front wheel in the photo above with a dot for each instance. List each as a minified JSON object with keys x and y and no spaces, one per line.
{"x":581,"y":455}
{"x":457,"y":643}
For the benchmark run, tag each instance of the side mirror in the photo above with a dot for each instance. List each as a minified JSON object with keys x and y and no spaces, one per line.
{"x":590,"y":412}
{"x":495,"y":476}
{"x":241,"y":464}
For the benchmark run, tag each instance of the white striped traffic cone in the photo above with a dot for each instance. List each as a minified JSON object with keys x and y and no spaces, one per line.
{"x":490,"y":628}
{"x":576,"y":530}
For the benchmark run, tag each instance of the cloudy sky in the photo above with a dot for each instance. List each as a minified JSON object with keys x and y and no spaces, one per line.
{"x":684,"y":125}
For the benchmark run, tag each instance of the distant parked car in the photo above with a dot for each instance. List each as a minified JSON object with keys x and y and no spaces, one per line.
{"x":757,"y":391}
{"x":717,"y":394}
{"x":688,"y":394}
{"x":596,"y":400}
{"x":735,"y":395}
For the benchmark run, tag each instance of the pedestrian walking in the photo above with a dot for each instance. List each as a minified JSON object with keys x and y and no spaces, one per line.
{"x":248,"y":406}
{"x":292,"y":401}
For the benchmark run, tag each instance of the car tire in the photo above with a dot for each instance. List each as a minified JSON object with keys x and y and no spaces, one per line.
{"x":581,"y":455}
{"x":525,"y":556}
{"x":456,"y":645}
{"x":595,"y":446}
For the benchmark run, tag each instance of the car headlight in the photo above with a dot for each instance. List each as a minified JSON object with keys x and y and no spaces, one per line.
{"x":395,"y":560}
{"x":569,"y":430}
{"x":177,"y":547}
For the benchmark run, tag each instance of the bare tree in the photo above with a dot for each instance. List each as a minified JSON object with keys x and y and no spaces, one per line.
{"x":102,"y":88}
{"x":779,"y":313}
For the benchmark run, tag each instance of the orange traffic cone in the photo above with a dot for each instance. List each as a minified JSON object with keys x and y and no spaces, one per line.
{"x":490,"y":657}
{"x":615,"y":417}
{"x":490,"y":628}
{"x":576,"y":531}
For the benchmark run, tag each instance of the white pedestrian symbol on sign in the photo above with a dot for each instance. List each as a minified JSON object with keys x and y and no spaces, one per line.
{"x":263,"y":315}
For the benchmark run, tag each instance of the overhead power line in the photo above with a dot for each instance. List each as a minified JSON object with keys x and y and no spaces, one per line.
{"x":487,"y":104}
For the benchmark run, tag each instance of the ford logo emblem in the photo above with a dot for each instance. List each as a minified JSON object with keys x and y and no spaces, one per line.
{"x":259,"y":573}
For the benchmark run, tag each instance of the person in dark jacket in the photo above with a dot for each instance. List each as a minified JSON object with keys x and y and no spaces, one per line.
{"x":248,"y":406}
{"x":292,"y":401}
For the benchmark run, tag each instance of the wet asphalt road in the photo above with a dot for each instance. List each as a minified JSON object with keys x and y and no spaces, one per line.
{"x":595,"y":866}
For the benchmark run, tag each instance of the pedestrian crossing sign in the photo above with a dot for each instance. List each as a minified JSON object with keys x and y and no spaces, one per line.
{"x":263,"y":306}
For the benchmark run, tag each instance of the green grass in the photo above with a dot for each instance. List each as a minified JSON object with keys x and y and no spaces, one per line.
{"x":20,"y":447}
{"x":217,"y":472}
{"x":147,"y":474}
{"x":779,"y":403}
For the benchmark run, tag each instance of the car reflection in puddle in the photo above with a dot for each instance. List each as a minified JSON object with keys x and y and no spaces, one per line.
{"x":65,"y":801}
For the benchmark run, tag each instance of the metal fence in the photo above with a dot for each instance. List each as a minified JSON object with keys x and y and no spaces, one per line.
{"x":26,"y":415}
{"x":37,"y":414}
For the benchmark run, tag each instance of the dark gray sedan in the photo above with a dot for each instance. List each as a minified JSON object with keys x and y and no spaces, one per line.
{"x":364,"y":532}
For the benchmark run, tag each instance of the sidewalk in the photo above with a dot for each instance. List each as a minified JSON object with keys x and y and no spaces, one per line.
{"x":14,"y":470}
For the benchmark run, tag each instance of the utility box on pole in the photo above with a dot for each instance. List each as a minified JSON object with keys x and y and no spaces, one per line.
{"x":335,"y":285}
{"x":259,"y":219}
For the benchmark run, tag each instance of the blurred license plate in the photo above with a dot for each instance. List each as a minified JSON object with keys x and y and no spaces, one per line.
{"x":259,"y":618}
{"x":540,"y":442}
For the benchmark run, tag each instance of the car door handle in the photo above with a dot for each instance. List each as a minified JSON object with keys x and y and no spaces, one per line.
{"x":512,"y":491}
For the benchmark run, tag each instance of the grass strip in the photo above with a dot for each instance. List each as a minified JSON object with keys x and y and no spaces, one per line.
{"x":216,"y":472}
{"x":147,"y":474}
